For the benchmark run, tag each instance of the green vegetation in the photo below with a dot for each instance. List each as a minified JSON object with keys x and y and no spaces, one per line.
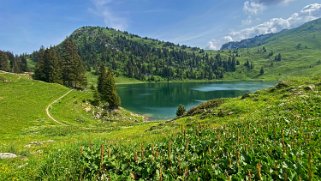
{"x":253,"y":137}
{"x":65,"y":68}
{"x":271,"y":134}
{"x":106,"y":89}
{"x":180,"y":110}
{"x":11,"y":63}
{"x":144,"y":59}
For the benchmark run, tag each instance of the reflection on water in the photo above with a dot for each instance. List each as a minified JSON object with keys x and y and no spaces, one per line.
{"x":160,"y":100}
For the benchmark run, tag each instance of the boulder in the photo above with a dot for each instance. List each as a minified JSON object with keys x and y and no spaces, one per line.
{"x":7,"y":155}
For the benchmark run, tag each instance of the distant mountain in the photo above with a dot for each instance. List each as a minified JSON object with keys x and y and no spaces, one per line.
{"x":306,"y":35}
{"x":247,"y":43}
{"x":145,"y":58}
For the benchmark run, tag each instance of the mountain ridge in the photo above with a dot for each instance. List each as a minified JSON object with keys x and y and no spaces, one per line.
{"x":271,"y":38}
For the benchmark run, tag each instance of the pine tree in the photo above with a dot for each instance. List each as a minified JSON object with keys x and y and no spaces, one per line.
{"x":16,"y":65}
{"x":101,"y":84}
{"x":262,"y":71}
{"x":113,"y":98}
{"x":180,"y":110}
{"x":23,"y":64}
{"x":40,"y":66}
{"x":278,"y":57}
{"x":107,"y":89}
{"x":4,"y":62}
{"x":73,"y":71}
{"x":52,"y":66}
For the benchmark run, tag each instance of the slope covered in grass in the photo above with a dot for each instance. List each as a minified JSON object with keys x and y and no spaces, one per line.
{"x":23,"y":102}
{"x":269,"y":134}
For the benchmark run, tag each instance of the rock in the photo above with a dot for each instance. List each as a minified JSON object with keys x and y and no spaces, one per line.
{"x":22,"y":166}
{"x":309,"y":88}
{"x":87,"y":109}
{"x":38,"y":143}
{"x":281,"y":85}
{"x":247,"y":95}
{"x":7,"y":155}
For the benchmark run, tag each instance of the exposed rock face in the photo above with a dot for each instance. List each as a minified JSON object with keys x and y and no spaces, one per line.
{"x":7,"y":155}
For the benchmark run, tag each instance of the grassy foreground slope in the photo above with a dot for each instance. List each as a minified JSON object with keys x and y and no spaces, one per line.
{"x":23,"y":102}
{"x":269,"y":134}
{"x":27,"y":131}
{"x":272,"y":134}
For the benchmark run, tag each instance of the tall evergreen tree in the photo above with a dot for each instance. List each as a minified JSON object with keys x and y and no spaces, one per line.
{"x":52,"y":66}
{"x":107,"y":89}
{"x":101,"y":84}
{"x":23,"y":64}
{"x":16,"y":68}
{"x":261,"y":71}
{"x":40,"y":66}
{"x":73,"y":71}
{"x":4,"y":65}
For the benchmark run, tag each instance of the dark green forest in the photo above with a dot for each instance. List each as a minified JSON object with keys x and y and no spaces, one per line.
{"x":13,"y":63}
{"x":142,"y":58}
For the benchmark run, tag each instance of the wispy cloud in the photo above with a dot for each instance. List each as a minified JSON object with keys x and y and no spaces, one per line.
{"x":102,"y":8}
{"x":308,"y":13}
{"x":254,"y":7}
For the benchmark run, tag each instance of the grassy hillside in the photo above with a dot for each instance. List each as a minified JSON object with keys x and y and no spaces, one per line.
{"x":23,"y":102}
{"x":272,"y":134}
{"x":227,"y":138}
{"x":26,"y":129}
{"x":299,"y":47}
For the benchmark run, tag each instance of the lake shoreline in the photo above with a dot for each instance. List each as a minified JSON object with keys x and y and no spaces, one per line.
{"x":159,"y":101}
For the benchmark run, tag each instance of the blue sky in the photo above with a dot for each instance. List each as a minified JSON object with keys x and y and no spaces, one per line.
{"x":28,"y":24}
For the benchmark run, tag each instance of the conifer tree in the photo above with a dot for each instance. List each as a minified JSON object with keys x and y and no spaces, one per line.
{"x":107,"y":89}
{"x":16,"y":65}
{"x":262,"y":71}
{"x":180,"y":110}
{"x":101,"y":84}
{"x":40,"y":66}
{"x":4,"y":62}
{"x":52,"y":66}
{"x":73,"y":71}
{"x":23,"y":64}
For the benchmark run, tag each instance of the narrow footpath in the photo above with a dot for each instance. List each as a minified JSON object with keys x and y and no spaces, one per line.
{"x":49,"y":106}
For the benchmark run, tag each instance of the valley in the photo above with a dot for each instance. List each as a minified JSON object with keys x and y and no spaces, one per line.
{"x":106,"y":104}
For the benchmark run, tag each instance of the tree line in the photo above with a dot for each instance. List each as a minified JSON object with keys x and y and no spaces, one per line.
{"x":61,"y":65}
{"x":13,"y":63}
{"x":143,"y":58}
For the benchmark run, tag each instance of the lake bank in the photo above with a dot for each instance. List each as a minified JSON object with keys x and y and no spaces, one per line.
{"x":159,"y":101}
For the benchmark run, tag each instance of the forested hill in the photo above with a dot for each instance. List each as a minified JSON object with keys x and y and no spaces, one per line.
{"x":144,"y":58}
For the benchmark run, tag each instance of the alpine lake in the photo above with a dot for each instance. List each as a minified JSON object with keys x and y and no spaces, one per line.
{"x":159,"y":101}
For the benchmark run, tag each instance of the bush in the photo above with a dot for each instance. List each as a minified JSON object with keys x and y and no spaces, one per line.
{"x":180,"y":110}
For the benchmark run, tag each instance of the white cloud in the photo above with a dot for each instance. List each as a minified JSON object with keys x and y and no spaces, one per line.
{"x":102,"y":9}
{"x":274,"y":25}
{"x":253,"y":7}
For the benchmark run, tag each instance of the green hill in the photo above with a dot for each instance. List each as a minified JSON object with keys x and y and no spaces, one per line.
{"x":144,"y":58}
{"x":306,"y":36}
{"x":298,"y":47}
{"x":140,"y":58}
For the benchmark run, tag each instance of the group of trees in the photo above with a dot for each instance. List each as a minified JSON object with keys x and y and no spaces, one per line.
{"x":249,"y":65}
{"x":12,"y":63}
{"x":144,"y":58}
{"x":61,"y":65}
